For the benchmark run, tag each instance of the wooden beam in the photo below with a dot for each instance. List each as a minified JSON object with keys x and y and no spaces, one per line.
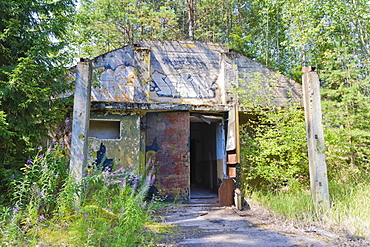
{"x":315,"y":139}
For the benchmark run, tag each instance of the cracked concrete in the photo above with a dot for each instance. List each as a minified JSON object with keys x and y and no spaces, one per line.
{"x":208,"y":224}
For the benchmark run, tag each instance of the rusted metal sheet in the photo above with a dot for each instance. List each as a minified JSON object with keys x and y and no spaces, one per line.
{"x":168,"y":146}
{"x":225,"y":192}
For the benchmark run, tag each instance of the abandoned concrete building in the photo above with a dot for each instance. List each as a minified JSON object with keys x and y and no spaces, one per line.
{"x":173,"y":103}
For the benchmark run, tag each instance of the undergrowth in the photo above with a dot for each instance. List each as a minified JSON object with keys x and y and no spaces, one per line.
{"x":348,"y":216}
{"x":48,"y":207}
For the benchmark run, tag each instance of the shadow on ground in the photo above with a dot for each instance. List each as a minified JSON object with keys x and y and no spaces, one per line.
{"x":203,"y":222}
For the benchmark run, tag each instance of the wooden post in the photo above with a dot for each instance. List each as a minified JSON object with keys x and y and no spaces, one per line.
{"x":315,"y":139}
{"x":81,"y":118}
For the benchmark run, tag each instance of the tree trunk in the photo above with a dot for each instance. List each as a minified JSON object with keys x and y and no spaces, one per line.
{"x":191,"y":11}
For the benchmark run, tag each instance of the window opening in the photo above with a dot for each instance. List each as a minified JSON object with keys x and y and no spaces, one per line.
{"x":104,"y":129}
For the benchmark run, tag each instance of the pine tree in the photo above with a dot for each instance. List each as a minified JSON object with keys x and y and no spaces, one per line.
{"x":32,"y":39}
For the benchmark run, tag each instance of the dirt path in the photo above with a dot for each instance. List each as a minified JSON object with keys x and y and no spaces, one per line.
{"x":207,"y":224}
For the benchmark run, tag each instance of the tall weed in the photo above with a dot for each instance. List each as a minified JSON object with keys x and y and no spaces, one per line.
{"x":106,"y":209}
{"x":348,"y":215}
{"x":34,"y":195}
{"x":43,"y":176}
{"x":349,"y":212}
{"x":113,"y":211}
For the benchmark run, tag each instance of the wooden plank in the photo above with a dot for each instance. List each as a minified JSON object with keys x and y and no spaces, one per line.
{"x":315,"y":139}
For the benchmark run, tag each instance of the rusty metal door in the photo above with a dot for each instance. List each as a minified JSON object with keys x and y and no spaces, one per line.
{"x":167,"y":145}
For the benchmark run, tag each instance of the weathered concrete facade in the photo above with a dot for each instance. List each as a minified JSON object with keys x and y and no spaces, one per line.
{"x":169,"y":102}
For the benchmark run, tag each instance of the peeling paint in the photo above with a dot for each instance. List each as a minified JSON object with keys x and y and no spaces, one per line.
{"x":188,"y":45}
{"x":124,"y":152}
{"x":168,"y":146}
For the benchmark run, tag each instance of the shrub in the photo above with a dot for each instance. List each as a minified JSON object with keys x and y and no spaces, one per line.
{"x":273,"y":152}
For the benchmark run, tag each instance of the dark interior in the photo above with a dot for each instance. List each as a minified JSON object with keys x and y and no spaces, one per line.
{"x":203,"y":167}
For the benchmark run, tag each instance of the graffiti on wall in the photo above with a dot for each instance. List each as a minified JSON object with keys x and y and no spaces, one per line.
{"x":102,"y":162}
{"x":186,"y":76}
{"x":160,"y":75}
{"x":184,"y":85}
{"x":115,"y":153}
{"x":184,"y":62}
{"x":116,"y":84}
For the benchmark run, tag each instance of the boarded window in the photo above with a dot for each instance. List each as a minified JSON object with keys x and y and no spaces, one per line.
{"x":104,"y":129}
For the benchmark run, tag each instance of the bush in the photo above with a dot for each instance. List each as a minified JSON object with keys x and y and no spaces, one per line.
{"x":274,"y":149}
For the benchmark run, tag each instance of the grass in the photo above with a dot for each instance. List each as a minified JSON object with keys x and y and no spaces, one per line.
{"x":119,"y":223}
{"x":48,"y":208}
{"x":348,"y":216}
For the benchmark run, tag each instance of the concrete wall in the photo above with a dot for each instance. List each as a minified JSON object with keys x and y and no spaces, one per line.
{"x":185,"y":72}
{"x":124,"y":151}
{"x":263,"y":85}
{"x":160,"y":71}
{"x":137,"y":85}
{"x":114,"y":76}
{"x":182,"y":72}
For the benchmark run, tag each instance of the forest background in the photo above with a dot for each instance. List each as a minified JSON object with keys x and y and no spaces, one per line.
{"x":40,"y":39}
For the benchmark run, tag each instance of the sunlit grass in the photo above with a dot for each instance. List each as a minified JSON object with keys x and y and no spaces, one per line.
{"x":348,"y":216}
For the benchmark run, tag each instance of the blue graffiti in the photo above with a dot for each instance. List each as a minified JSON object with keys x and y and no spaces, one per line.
{"x":181,"y":62}
{"x":184,"y":85}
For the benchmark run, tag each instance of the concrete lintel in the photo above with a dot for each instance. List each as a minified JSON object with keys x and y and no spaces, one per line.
{"x":158,"y":106}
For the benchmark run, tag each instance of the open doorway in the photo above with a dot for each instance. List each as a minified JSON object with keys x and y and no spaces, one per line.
{"x":205,"y":142}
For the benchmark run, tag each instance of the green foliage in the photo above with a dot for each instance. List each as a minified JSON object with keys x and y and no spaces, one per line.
{"x":105,"y":25}
{"x":273,"y":139}
{"x":34,"y":194}
{"x":260,"y":33}
{"x":112,"y":210}
{"x":347,"y":134}
{"x":37,"y":190}
{"x":106,"y":209}
{"x":5,"y":135}
{"x":274,"y":149}
{"x":333,"y":36}
{"x":32,"y":39}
